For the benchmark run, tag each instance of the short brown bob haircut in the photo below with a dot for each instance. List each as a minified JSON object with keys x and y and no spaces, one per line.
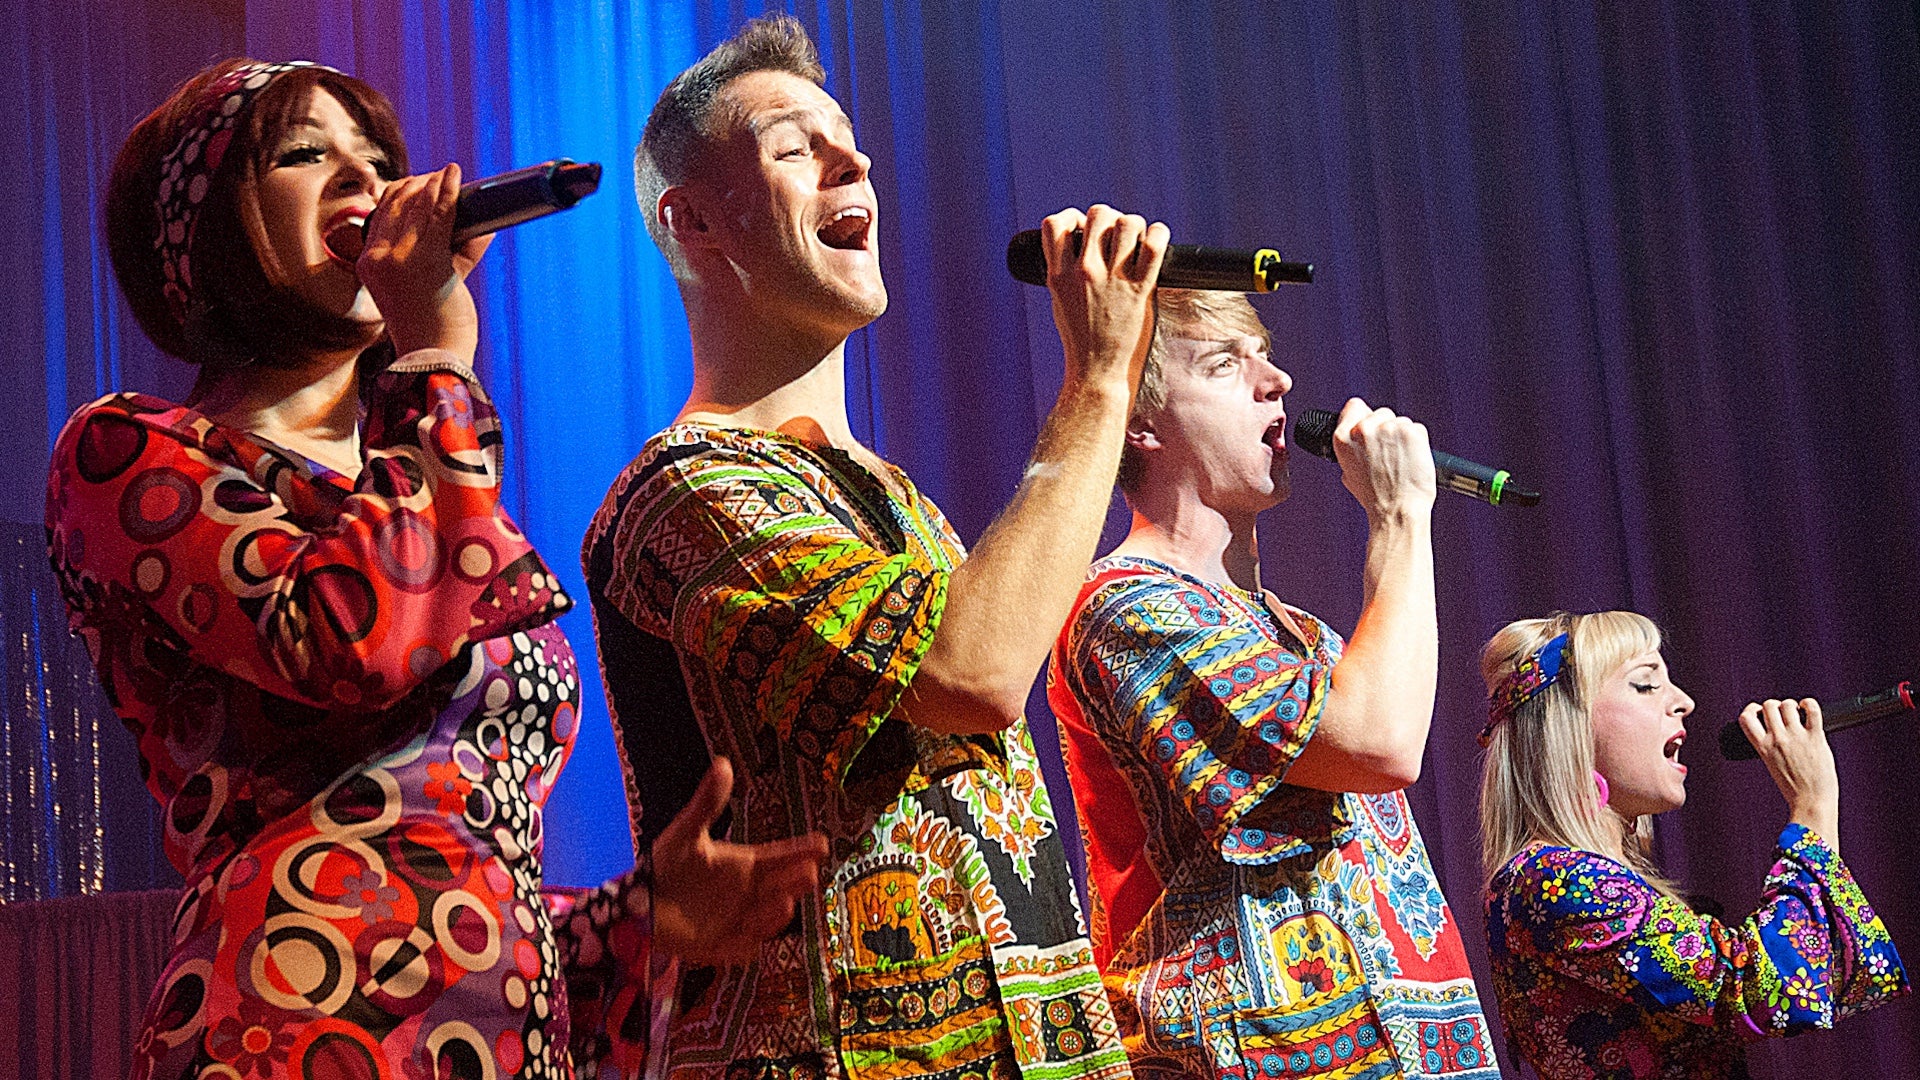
{"x":240,"y":308}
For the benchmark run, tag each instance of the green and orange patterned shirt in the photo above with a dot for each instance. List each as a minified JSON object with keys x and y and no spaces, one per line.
{"x":768,"y":600}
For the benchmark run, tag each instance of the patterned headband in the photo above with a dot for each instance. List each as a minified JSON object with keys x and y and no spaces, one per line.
{"x":1535,"y":672}
{"x":187,"y":170}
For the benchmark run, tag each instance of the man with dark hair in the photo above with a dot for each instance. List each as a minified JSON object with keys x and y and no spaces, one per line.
{"x":767,"y":588}
{"x":1262,"y":904}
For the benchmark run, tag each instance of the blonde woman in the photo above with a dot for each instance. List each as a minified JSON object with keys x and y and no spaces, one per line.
{"x":1600,"y":968}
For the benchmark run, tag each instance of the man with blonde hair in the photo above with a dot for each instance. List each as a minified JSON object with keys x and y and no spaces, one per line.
{"x":1261,"y":901}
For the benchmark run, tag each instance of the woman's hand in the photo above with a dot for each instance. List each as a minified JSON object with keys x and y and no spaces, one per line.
{"x":410,"y":268}
{"x":714,"y":902}
{"x":1793,"y":742}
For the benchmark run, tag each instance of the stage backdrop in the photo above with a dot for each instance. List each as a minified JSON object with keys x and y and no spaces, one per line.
{"x":1658,"y":258}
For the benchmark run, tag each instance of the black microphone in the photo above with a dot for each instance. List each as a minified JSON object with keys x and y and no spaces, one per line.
{"x":1313,"y":432}
{"x":495,"y":202}
{"x":1839,"y":716}
{"x":1187,"y":266}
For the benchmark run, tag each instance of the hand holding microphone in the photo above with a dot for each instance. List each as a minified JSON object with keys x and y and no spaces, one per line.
{"x":1314,"y":433}
{"x":1790,"y":737}
{"x":1187,"y":266}
{"x":1385,"y":461}
{"x":1737,"y":745}
{"x":400,"y":248}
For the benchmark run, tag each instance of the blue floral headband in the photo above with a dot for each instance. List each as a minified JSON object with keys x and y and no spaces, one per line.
{"x":1535,"y":672}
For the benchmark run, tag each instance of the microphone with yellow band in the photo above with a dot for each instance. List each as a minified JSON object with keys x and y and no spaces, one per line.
{"x":1187,"y":266}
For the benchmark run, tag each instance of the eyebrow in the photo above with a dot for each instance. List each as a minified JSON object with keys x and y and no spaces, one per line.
{"x":308,"y":122}
{"x":760,"y":125}
{"x":1210,"y":346}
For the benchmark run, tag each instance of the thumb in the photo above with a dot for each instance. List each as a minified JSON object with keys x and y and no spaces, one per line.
{"x":690,"y":825}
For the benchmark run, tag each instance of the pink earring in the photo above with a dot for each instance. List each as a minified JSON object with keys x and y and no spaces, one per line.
{"x":1601,"y":783}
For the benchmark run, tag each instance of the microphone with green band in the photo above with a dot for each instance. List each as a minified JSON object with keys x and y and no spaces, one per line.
{"x":1313,"y":432}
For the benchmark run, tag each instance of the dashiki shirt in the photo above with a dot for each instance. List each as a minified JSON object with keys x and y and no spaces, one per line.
{"x":761,"y":598}
{"x":1248,"y":928}
{"x":351,"y":700}
{"x":1600,"y":975}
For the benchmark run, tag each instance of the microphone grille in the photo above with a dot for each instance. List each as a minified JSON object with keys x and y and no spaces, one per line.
{"x":1734,"y":745}
{"x":1313,"y":432}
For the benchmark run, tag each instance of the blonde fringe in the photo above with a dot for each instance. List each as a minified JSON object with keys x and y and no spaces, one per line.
{"x":1537,"y":779}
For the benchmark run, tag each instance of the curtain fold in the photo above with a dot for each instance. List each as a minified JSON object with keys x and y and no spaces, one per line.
{"x":77,"y":972}
{"x":1660,"y":259}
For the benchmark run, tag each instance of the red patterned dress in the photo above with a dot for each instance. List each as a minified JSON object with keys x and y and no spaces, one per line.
{"x":351,"y":700}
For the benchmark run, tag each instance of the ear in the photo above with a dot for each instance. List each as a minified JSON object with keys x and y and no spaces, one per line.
{"x":684,"y":215}
{"x":1141,"y":436}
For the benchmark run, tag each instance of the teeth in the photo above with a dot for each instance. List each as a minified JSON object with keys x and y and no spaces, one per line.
{"x":356,"y":220}
{"x":852,"y":211}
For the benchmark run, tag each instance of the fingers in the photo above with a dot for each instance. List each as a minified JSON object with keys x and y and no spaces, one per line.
{"x":415,"y":210}
{"x":1104,"y":243}
{"x":1360,"y":426}
{"x":1094,"y":254}
{"x":1354,"y":411}
{"x":1151,"y":255}
{"x":1060,"y":237}
{"x":1755,"y":727}
{"x":1771,"y":722}
{"x":1783,"y":718}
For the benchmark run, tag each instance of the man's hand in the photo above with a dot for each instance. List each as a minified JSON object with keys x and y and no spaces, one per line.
{"x":1101,"y":270}
{"x":1385,"y":461}
{"x":714,"y":901}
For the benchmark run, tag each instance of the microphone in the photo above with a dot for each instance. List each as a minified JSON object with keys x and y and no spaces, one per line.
{"x":1313,"y":432}
{"x":1186,"y":266}
{"x":495,"y":202}
{"x":1839,"y":716}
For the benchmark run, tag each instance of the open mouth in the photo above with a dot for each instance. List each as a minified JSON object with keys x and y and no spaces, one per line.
{"x":1275,"y":437}
{"x":848,"y":229}
{"x":346,"y":235}
{"x":1672,"y":751}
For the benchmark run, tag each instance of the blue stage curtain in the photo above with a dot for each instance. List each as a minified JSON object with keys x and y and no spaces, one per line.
{"x":1659,"y":258}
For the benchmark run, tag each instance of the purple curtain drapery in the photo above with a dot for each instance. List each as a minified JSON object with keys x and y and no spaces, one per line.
{"x":1659,"y":258}
{"x":77,"y":972}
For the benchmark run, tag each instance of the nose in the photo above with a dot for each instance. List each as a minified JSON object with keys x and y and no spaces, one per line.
{"x":1274,"y":381}
{"x":847,"y":164}
{"x":1684,"y":706}
{"x":356,"y":174}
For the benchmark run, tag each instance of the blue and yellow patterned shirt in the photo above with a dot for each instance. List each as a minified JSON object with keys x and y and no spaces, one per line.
{"x":1248,"y":928}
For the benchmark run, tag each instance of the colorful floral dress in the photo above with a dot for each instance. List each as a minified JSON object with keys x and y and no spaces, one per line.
{"x":1600,"y":975}
{"x":768,"y":600}
{"x":1248,"y":928}
{"x":351,"y":701}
